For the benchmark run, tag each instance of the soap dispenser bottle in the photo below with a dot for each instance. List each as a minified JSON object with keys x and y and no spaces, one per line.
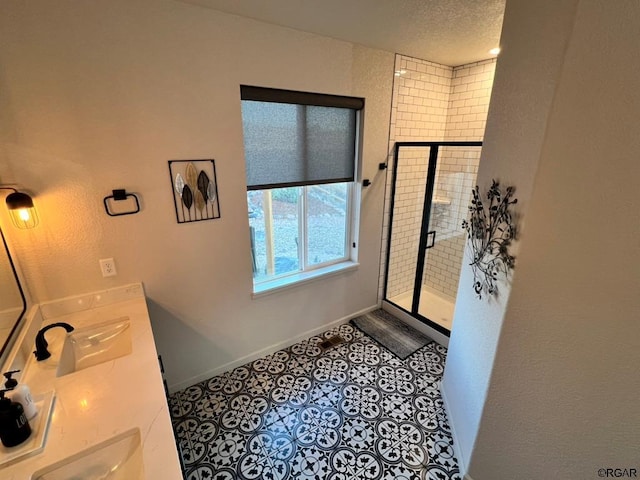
{"x":14,"y":426}
{"x":21,"y":394}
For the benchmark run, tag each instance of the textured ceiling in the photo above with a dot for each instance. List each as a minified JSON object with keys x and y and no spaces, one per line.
{"x":450,"y":32}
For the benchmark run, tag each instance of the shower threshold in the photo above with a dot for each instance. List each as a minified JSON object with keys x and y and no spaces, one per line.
{"x":433,"y":306}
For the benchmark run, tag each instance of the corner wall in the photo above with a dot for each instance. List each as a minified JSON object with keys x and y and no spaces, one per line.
{"x":525,"y":372}
{"x":99,"y":95}
{"x":562,"y":400}
{"x":533,"y":41}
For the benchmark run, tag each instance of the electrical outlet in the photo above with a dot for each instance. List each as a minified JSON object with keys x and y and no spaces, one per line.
{"x":108,"y":267}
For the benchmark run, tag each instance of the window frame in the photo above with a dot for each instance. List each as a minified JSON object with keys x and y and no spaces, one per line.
{"x":348,"y":226}
{"x":308,"y":272}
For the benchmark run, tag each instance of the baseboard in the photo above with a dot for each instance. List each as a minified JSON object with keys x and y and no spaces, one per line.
{"x":456,"y":445}
{"x":417,"y":324}
{"x":264,"y":352}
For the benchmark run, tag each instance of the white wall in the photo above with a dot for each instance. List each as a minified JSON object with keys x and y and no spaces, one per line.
{"x":534,"y":36}
{"x":99,"y":95}
{"x":566,"y":369}
{"x":545,"y":386}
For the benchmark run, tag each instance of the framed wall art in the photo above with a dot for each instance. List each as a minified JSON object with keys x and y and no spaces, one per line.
{"x":195,"y":190}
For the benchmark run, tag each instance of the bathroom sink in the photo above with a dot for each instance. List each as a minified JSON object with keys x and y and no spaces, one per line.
{"x":119,"y":458}
{"x":89,"y":346}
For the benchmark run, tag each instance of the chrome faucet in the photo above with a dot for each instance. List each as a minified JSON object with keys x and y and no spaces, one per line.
{"x":41,"y":351}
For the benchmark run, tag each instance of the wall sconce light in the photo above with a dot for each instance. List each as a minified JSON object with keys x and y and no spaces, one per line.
{"x":21,"y":209}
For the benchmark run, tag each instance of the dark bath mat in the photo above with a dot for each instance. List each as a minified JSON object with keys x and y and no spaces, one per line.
{"x":398,"y":337}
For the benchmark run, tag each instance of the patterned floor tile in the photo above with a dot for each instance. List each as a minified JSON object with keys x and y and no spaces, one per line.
{"x":291,"y":389}
{"x":325,"y":394}
{"x":273,"y":364}
{"x":396,"y":380}
{"x":361,"y":402}
{"x":350,"y":412}
{"x":319,"y":426}
{"x":396,"y":407}
{"x":359,"y":434}
{"x":363,"y":374}
{"x":328,"y":369}
{"x":260,"y":384}
{"x":400,"y":472}
{"x":347,"y":464}
{"x":401,"y":442}
{"x":194,"y":436}
{"x":226,"y":449}
{"x":310,"y":463}
{"x":245,"y":413}
{"x":230,"y":382}
{"x":300,"y":365}
{"x":282,"y":419}
{"x":267,"y":457}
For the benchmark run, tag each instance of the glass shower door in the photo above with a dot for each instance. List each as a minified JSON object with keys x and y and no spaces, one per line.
{"x":456,"y":172}
{"x":431,"y":186}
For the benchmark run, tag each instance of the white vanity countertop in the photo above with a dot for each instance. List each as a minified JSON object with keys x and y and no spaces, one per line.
{"x":102,"y":401}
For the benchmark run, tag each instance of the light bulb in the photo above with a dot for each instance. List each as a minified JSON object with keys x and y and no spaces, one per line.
{"x":24,"y":218}
{"x":23,"y":213}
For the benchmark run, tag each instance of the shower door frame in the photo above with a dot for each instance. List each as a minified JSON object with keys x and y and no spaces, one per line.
{"x":434,"y":148}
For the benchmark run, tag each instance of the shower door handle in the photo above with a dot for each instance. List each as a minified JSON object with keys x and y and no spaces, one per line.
{"x":431,"y":234}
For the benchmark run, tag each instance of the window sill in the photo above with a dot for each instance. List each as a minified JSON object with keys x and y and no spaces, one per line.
{"x":273,"y":286}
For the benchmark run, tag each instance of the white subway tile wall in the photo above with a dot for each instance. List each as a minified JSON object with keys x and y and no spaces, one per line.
{"x":469,"y":101}
{"x":409,"y":199}
{"x":433,"y":102}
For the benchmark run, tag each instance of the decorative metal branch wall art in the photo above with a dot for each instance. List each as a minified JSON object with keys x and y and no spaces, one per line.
{"x":490,"y":232}
{"x":195,"y":190}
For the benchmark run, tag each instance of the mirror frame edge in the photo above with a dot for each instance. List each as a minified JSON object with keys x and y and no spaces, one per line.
{"x":6,"y":347}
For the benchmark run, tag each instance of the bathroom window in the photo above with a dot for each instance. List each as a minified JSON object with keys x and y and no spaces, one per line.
{"x":301,"y":161}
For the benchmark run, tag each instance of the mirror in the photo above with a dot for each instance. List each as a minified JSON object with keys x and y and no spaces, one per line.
{"x":12,"y":300}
